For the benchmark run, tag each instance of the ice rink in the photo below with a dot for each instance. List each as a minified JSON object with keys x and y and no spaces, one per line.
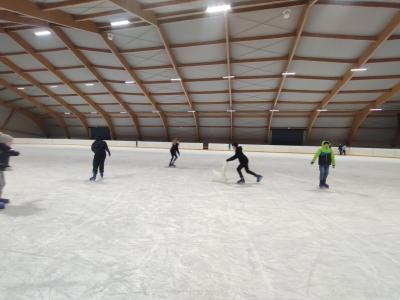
{"x":150,"y":232}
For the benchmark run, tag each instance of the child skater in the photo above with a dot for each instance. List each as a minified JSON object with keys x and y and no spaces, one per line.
{"x":99,"y":147}
{"x":174,"y":152}
{"x":5,"y":153}
{"x":325,"y":159}
{"x":243,"y":163}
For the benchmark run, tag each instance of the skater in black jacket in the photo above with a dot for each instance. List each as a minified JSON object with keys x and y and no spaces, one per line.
{"x":244,"y":163}
{"x":174,"y":152}
{"x":5,"y":153}
{"x":99,"y":148}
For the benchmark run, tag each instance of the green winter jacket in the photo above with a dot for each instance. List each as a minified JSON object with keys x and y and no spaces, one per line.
{"x":325,"y":155}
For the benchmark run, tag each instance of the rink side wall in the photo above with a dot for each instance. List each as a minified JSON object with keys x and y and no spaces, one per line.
{"x":356,"y":151}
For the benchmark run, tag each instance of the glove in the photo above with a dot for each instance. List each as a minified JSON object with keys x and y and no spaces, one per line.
{"x":312,"y":162}
{"x":333,"y":166}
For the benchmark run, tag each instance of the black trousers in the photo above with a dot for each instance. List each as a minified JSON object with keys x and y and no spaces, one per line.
{"x":246,"y":167}
{"x":98,"y":163}
{"x":174,"y":157}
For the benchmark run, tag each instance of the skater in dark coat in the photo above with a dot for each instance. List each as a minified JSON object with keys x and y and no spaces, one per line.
{"x":243,"y":163}
{"x":99,"y":148}
{"x":5,"y":153}
{"x":174,"y":152}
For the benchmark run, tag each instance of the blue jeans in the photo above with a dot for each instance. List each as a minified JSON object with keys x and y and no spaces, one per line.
{"x":323,"y":172}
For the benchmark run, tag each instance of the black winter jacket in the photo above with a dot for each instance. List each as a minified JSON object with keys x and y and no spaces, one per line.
{"x":100,"y":147}
{"x":240,"y":155}
{"x":175,"y":148}
{"x":5,"y":153}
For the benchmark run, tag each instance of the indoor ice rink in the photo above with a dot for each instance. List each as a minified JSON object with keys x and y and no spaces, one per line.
{"x":304,"y":93}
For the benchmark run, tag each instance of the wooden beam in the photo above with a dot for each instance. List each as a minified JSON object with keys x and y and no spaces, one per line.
{"x":35,"y":119}
{"x":363,"y":114}
{"x":37,"y":104}
{"x":48,"y":92}
{"x":31,"y":9}
{"x":127,"y":67}
{"x":30,"y":50}
{"x":78,"y":54}
{"x":15,"y":18}
{"x":363,"y":59}
{"x":292,"y":51}
{"x":66,"y":4}
{"x":133,"y":7}
{"x":8,"y":118}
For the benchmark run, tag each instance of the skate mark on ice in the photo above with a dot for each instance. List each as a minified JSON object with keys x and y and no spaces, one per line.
{"x":23,"y":210}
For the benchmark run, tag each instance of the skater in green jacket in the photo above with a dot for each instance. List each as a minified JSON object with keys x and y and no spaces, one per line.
{"x":325,"y":159}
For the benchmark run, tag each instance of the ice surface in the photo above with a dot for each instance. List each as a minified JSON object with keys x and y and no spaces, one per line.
{"x":151,"y":232}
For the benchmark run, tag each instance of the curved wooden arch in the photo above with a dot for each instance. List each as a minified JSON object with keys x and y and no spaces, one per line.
{"x":37,"y":104}
{"x":28,"y":48}
{"x":49,"y":93}
{"x":360,"y":117}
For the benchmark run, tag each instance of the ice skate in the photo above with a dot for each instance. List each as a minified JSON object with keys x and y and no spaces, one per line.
{"x":259,"y":178}
{"x":5,"y":201}
{"x":241,"y":181}
{"x":93,"y":178}
{"x":2,"y":205}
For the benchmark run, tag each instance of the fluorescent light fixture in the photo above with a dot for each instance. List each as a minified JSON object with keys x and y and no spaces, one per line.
{"x":274,"y":110}
{"x":155,"y":111}
{"x":123,"y":112}
{"x":120,"y":23}
{"x":42,"y":33}
{"x":228,"y":77}
{"x":322,"y":109}
{"x":93,"y":112}
{"x":359,"y":69}
{"x":231,"y":110}
{"x":20,"y":88}
{"x":89,"y":84}
{"x":176,"y":79}
{"x":54,"y":86}
{"x":375,"y":109}
{"x":288,"y":73}
{"x":129,"y":82}
{"x":191,"y":111}
{"x":218,"y":8}
{"x":67,"y":113}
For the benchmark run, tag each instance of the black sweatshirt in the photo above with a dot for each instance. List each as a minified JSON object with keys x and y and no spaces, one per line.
{"x":239,"y":154}
{"x":5,"y":153}
{"x":100,"y":148}
{"x":175,"y":148}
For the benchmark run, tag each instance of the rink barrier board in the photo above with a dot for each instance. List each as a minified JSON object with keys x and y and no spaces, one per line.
{"x":353,"y":151}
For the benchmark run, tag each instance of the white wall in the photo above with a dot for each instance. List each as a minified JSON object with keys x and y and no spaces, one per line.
{"x":19,"y":125}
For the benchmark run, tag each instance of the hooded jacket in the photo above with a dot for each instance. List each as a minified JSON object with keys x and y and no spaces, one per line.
{"x":99,"y":147}
{"x":240,"y":155}
{"x":325,"y":155}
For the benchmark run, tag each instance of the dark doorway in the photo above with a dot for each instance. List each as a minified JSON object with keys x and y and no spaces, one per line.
{"x":104,"y":132}
{"x":287,"y":136}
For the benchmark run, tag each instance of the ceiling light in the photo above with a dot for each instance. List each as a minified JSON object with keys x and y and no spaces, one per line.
{"x":228,"y":77}
{"x":288,"y":73}
{"x":231,"y":110}
{"x":191,"y":111}
{"x":155,"y":111}
{"x":110,"y":36}
{"x":218,"y":8}
{"x":20,"y":88}
{"x":176,"y":79}
{"x":93,"y":112}
{"x":274,"y":110}
{"x":322,"y":109}
{"x":120,"y":23}
{"x":89,"y":84}
{"x":359,"y":69}
{"x":129,"y":82}
{"x":123,"y":112}
{"x":67,"y":113}
{"x":54,"y":86}
{"x":42,"y":33}
{"x":286,"y":13}
{"x":375,"y":109}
